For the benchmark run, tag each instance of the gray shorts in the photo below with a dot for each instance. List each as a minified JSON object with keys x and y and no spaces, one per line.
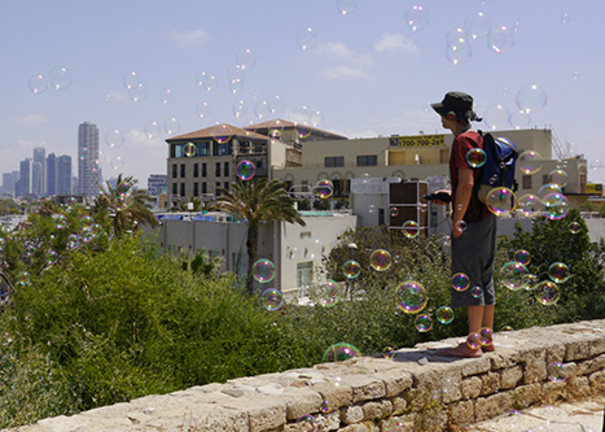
{"x":473,"y":253}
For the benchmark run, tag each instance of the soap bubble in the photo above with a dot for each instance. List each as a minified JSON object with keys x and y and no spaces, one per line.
{"x":548,"y":188}
{"x":130,"y":79}
{"x":24,"y":278}
{"x":263,"y":270}
{"x":2,"y":243}
{"x":306,"y":38}
{"x":558,"y":177}
{"x":86,"y":222}
{"x":473,"y":341}
{"x":324,"y":407}
{"x":239,"y":108}
{"x":556,"y":206}
{"x":394,"y":211}
{"x":51,"y":257}
{"x":60,"y":78}
{"x":351,"y":269}
{"x":73,"y":241}
{"x":380,"y":260}
{"x":547,"y":293}
{"x":445,"y":315}
{"x":486,"y":336}
{"x":37,"y":84}
{"x":371,"y":209}
{"x":506,"y":328}
{"x":114,"y":138}
{"x":339,"y":352}
{"x":531,"y":99}
{"x":396,"y":425}
{"x":512,"y":275}
{"x":501,"y":201}
{"x":460,"y":282}
{"x":477,"y":291}
{"x":522,"y":256}
{"x":272,"y":299}
{"x":245,"y":59}
{"x":416,"y":18}
{"x":556,"y":372}
{"x":412,"y":297}
{"x":410,"y":229}
{"x":29,"y":250}
{"x":565,"y":18}
{"x":461,"y":225}
{"x":459,"y":55}
{"x":153,"y":129}
{"x":530,"y":205}
{"x":497,"y":117}
{"x":306,"y":423}
{"x":262,"y":109}
{"x":574,"y":227}
{"x":166,"y":96}
{"x":117,"y":163}
{"x":190,"y":149}
{"x":529,"y":162}
{"x":388,"y":352}
{"x":203,"y":110}
{"x":60,"y":221}
{"x":520,"y":120}
{"x":559,"y":272}
{"x":477,"y":25}
{"x":171,"y":125}
{"x":476,"y":157}
{"x":457,"y":39}
{"x":329,"y":293}
{"x":138,"y":93}
{"x":501,"y":39}
{"x":423,"y":323}
{"x":245,"y":170}
{"x":346,"y":7}
{"x":531,"y":281}
{"x":71,"y":203}
{"x":96,"y":230}
{"x":324,"y":188}
{"x":206,"y":81}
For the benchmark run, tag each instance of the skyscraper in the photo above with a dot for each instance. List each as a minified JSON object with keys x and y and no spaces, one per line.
{"x":51,"y":175}
{"x":64,"y":175}
{"x":38,"y":186}
{"x":23,"y":185}
{"x":88,"y":154}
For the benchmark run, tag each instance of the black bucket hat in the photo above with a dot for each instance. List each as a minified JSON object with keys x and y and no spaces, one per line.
{"x":458,"y":103}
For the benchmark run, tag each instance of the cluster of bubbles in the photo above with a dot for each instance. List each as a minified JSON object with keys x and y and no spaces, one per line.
{"x":529,"y":99}
{"x":59,"y":78}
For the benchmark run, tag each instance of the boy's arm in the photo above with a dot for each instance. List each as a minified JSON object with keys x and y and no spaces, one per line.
{"x":464,"y":189}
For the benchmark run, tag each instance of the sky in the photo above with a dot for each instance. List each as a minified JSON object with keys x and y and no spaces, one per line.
{"x":361,"y":68}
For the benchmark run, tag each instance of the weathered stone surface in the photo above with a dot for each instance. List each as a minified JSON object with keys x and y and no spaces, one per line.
{"x":535,"y":366}
{"x":510,"y":377}
{"x":504,"y":358}
{"x":471,"y":387}
{"x":527,"y":395}
{"x":300,"y":402}
{"x":490,"y":383}
{"x":336,"y":396}
{"x":590,"y":345}
{"x":493,"y":406}
{"x":399,"y":405}
{"x":463,"y":412}
{"x":377,"y":410}
{"x":351,"y":414}
{"x":555,"y":353}
{"x":366,"y":387}
{"x":355,"y":428}
{"x":396,"y":384}
{"x":597,"y":382}
{"x":476,"y":366}
{"x":592,"y":365}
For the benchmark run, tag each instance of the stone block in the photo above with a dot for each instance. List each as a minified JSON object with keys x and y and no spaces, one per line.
{"x":463,"y":412}
{"x":586,"y":347}
{"x":300,"y":402}
{"x":490,"y":383}
{"x":555,"y":353}
{"x":493,"y":406}
{"x":504,"y":358}
{"x":355,"y":428}
{"x":351,"y":414}
{"x":377,"y":409}
{"x":395,"y":384}
{"x":589,"y":366}
{"x":336,"y":396}
{"x":471,"y":387}
{"x":597,"y":382}
{"x":365,"y":387}
{"x":527,"y":395}
{"x":476,"y":366}
{"x":510,"y":377}
{"x":399,"y":404}
{"x":534,"y":366}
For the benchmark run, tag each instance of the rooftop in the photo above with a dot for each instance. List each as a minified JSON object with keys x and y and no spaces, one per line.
{"x":219,"y":130}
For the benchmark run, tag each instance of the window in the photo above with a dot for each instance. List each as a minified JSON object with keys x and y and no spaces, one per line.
{"x":182,"y":170}
{"x":174,"y":188}
{"x":545,"y":179}
{"x":196,"y":170}
{"x":334,"y":161}
{"x":182,"y":189}
{"x":204,"y":188}
{"x":226,"y":185}
{"x":216,"y":188}
{"x":380,"y":216}
{"x":203,"y":149}
{"x":226,"y":169}
{"x":217,"y":171}
{"x":304,"y":274}
{"x":259,"y":164}
{"x":196,"y":189}
{"x":204,"y":169}
{"x":174,"y":171}
{"x":176,"y":150}
{"x":368,"y":160}
{"x":222,"y":149}
{"x":526,"y":179}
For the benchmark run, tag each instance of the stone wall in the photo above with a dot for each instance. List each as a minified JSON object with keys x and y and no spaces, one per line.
{"x":418,"y":387}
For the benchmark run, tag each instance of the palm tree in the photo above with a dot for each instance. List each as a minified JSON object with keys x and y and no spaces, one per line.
{"x":126,"y":204}
{"x":263,"y":201}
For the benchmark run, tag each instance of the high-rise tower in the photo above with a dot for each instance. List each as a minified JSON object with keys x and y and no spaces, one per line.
{"x":88,"y":154}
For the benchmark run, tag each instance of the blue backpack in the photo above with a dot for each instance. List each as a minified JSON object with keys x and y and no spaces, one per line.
{"x":499,"y":168}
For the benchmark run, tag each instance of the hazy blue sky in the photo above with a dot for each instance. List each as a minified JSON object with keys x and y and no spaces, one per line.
{"x":369,"y":73}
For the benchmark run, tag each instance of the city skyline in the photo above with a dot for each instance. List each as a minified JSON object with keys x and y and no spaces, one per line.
{"x":361,"y":68}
